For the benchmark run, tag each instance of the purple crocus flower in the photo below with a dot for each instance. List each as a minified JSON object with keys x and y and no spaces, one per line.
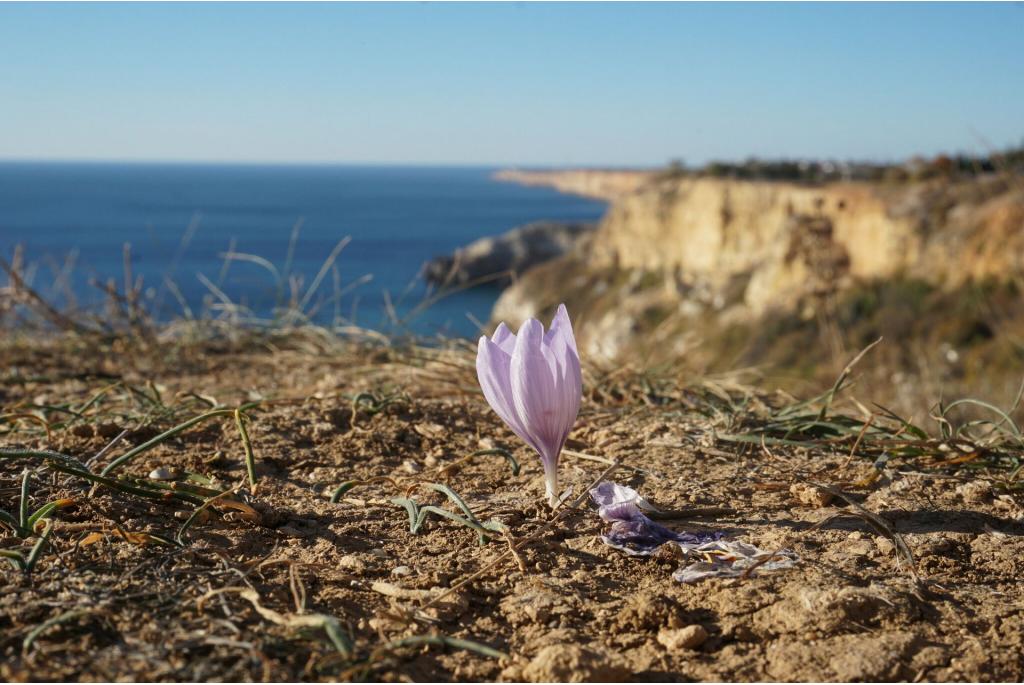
{"x":533,"y":381}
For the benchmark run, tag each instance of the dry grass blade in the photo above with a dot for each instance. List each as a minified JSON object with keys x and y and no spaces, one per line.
{"x":847,"y":370}
{"x":39,"y":302}
{"x":879,"y":524}
{"x":329,"y":624}
{"x":180,"y":537}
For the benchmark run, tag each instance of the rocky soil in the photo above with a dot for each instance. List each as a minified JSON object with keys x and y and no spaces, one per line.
{"x":243,"y":596}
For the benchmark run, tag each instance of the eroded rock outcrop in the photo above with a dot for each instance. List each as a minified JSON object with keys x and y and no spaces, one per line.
{"x":495,"y":260}
{"x":779,"y":235}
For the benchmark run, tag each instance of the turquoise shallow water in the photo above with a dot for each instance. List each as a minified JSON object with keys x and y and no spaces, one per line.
{"x":180,"y":220}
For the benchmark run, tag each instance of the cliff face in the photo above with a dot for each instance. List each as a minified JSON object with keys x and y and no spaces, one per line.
{"x":778,"y":235}
{"x":689,"y":257}
{"x":601,"y":184}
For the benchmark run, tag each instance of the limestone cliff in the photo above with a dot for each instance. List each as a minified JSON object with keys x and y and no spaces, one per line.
{"x":674,"y":252}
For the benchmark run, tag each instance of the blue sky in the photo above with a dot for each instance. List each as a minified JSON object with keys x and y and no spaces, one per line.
{"x":523,"y":83}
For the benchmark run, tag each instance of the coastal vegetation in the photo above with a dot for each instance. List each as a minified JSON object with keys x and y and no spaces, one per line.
{"x":957,"y":166}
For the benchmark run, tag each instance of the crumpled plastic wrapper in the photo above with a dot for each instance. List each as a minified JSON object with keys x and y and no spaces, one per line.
{"x":711,"y":556}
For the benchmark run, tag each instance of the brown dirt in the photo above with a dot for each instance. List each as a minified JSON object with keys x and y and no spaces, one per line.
{"x":574,"y":610}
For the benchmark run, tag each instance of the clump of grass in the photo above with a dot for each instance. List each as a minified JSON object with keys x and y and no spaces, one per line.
{"x":418,"y":513}
{"x":24,"y":524}
{"x":879,"y":434}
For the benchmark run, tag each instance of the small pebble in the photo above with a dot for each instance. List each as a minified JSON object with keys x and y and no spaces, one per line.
{"x":411,"y":467}
{"x":810,"y":495}
{"x":352,"y":563}
{"x":401,"y":571}
{"x":884,"y":544}
{"x":689,"y":637}
{"x":859,"y":548}
{"x":162,"y":473}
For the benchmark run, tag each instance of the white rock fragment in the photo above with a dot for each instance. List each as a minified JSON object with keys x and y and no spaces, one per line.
{"x":162,"y":473}
{"x":690,"y":637}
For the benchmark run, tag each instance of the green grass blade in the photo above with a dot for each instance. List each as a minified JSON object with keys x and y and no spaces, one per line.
{"x":23,"y":502}
{"x":1005,"y":418}
{"x":444,"y":641}
{"x":339,"y":638}
{"x":498,"y":451}
{"x":41,"y":513}
{"x":250,"y":458}
{"x":37,"y":549}
{"x":26,"y":644}
{"x":15,"y":558}
{"x":180,"y":537}
{"x":170,"y":433}
{"x":128,"y":488}
{"x":450,"y":494}
{"x":413,"y":510}
{"x":341,"y":490}
{"x":14,"y":453}
{"x":12,"y":523}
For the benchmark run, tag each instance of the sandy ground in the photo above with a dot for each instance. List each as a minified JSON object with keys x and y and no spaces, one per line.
{"x":244,"y":595}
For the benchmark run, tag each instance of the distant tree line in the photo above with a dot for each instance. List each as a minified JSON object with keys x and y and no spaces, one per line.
{"x":813,"y":171}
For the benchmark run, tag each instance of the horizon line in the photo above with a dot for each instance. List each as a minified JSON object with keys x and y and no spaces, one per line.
{"x":324,"y":163}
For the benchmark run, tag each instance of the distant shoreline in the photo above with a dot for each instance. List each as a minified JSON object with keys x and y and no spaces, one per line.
{"x":600,"y":184}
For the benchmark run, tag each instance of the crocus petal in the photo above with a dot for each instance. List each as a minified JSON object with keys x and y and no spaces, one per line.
{"x":561,"y":327}
{"x":504,"y":338}
{"x":564,"y":409}
{"x":631,"y":530}
{"x":561,"y":340}
{"x":492,"y":370}
{"x":533,"y":389}
{"x":618,"y":499}
{"x":572,"y":385}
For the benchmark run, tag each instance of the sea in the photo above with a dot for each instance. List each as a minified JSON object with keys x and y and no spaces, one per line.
{"x":243,"y":240}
